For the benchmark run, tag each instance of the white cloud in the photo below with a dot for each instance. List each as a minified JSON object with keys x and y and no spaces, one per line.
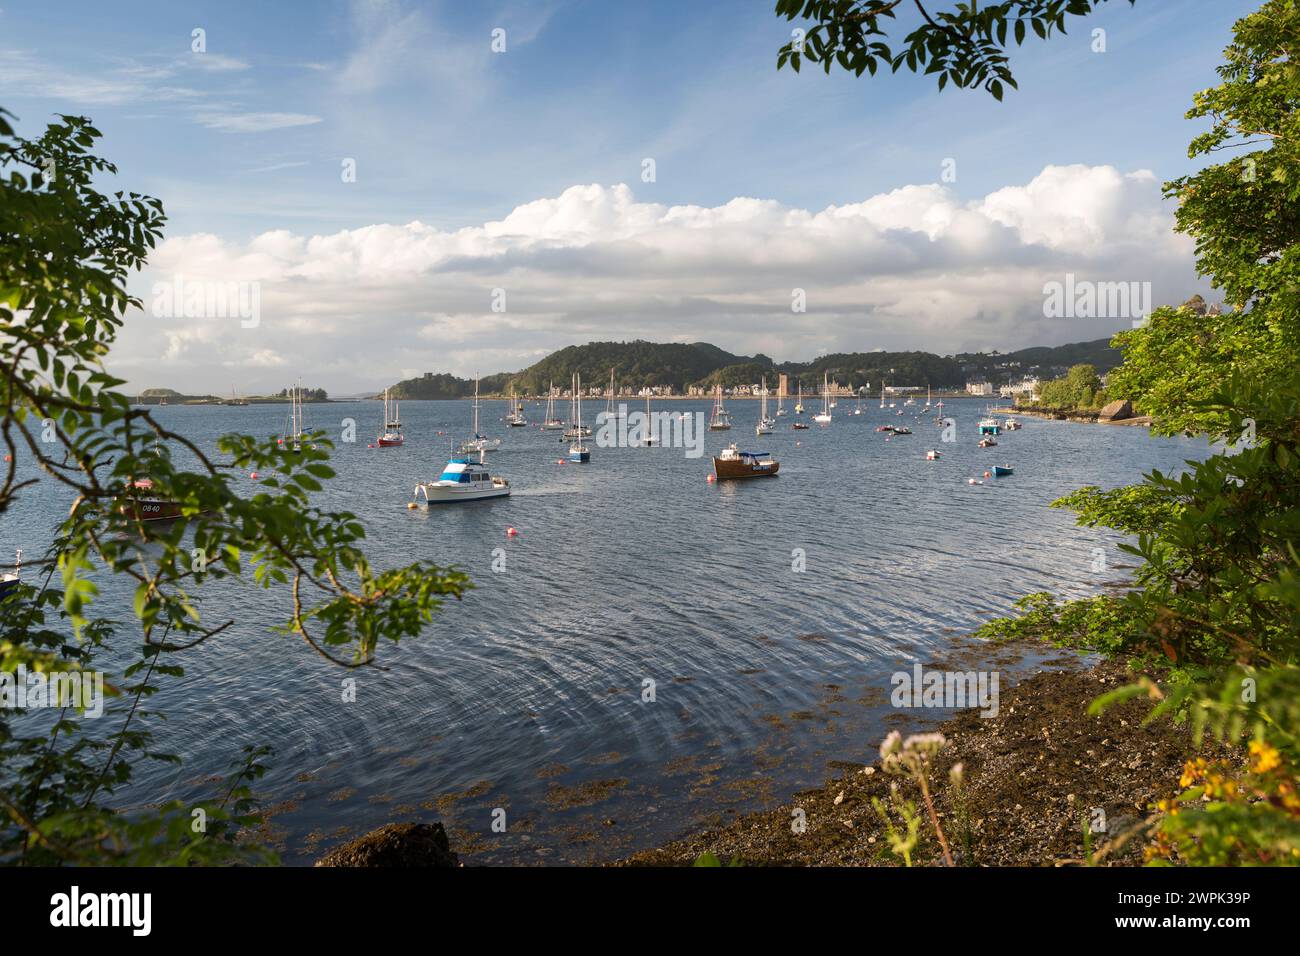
{"x":255,"y":122}
{"x":912,"y":268}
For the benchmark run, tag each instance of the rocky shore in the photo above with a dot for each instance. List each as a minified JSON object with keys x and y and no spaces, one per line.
{"x":1116,"y":413}
{"x":1031,"y":777}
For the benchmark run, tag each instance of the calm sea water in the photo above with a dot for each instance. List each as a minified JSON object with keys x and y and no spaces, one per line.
{"x":527,"y":697}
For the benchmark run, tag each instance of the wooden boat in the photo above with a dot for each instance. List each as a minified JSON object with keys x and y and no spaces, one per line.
{"x":734,"y":463}
{"x":988,"y":442}
{"x":137,"y":502}
{"x":720,"y":419}
{"x":803,"y":426}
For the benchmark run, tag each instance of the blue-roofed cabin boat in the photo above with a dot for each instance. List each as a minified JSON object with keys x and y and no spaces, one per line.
{"x":462,"y":480}
{"x":734,"y":463}
{"x":990,"y":426}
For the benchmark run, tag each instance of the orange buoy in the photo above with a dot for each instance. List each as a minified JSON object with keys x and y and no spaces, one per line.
{"x":511,"y":532}
{"x":710,"y":479}
{"x":411,"y":505}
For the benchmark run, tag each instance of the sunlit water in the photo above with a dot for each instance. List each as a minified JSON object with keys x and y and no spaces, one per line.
{"x":630,"y":569}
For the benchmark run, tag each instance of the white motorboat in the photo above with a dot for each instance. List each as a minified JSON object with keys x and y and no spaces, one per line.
{"x":462,"y":480}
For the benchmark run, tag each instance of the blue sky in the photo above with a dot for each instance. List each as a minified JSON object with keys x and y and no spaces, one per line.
{"x":248,"y":138}
{"x":584,"y":91}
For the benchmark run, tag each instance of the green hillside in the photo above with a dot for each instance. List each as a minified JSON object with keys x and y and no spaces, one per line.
{"x":680,"y":365}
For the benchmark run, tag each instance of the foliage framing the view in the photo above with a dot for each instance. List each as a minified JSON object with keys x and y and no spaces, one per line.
{"x":1216,"y":595}
{"x":66,"y":251}
{"x":965,"y":46}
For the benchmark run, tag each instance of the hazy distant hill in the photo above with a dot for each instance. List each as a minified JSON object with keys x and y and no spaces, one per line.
{"x":680,"y":365}
{"x":634,"y":363}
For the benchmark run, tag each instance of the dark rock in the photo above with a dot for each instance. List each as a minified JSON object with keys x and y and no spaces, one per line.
{"x":1116,"y":411}
{"x":397,"y":844}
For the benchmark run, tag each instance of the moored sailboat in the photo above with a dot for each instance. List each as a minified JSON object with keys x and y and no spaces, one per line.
{"x":296,"y":427}
{"x":551,"y":423}
{"x":765,"y":424}
{"x":825,"y":417}
{"x":391,"y":436}
{"x":516,"y":417}
{"x":648,"y":438}
{"x":479,"y":443}
{"x":578,"y":452}
{"x":720,"y":419}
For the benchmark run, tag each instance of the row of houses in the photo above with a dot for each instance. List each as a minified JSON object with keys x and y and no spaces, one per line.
{"x":1026,"y":386}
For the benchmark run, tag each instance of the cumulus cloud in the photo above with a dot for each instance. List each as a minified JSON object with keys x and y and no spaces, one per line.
{"x":913,"y":268}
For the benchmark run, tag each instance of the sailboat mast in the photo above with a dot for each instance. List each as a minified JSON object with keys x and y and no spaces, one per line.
{"x":476,"y":408}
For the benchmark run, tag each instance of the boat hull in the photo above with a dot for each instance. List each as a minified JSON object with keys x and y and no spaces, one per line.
{"x":727,"y":470}
{"x":150,"y":509}
{"x":390,"y":442}
{"x":436,"y":494}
